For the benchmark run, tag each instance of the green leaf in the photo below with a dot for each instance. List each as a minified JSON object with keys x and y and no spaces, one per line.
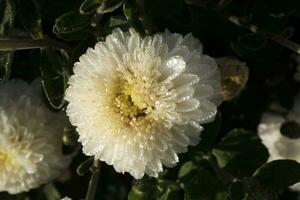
{"x":252,"y":41}
{"x":71,"y":22}
{"x":74,"y":36}
{"x":114,"y":22}
{"x":142,"y":189}
{"x":199,"y":182}
{"x":154,"y":189}
{"x":81,"y":48}
{"x":241,"y":152}
{"x":5,"y":66}
{"x":186,"y":168}
{"x":110,"y":6}
{"x":168,"y":191}
{"x":72,"y":26}
{"x":7,"y":21}
{"x":30,"y":18}
{"x":7,"y":15}
{"x":54,"y":73}
{"x":89,"y":6}
{"x":278,"y":174}
{"x":236,"y":191}
{"x":131,"y":14}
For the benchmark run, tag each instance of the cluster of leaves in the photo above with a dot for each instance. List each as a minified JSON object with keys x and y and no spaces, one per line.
{"x":40,"y":38}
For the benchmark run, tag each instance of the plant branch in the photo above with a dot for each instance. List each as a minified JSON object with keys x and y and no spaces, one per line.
{"x":274,"y":37}
{"x":12,"y":44}
{"x":93,"y":181}
{"x":284,"y":42}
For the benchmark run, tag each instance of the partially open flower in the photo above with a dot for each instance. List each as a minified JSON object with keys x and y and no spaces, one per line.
{"x":137,"y":102}
{"x":234,"y":76}
{"x":30,"y":138}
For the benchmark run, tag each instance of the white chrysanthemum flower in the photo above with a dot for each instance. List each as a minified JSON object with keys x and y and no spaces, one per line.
{"x":280,"y":146}
{"x":138,"y":102}
{"x":30,"y":138}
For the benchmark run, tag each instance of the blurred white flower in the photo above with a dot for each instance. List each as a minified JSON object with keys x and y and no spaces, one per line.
{"x":280,"y":146}
{"x":30,"y":138}
{"x":66,"y":198}
{"x":138,"y":102}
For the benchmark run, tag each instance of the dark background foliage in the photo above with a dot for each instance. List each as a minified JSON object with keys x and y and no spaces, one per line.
{"x":43,"y":38}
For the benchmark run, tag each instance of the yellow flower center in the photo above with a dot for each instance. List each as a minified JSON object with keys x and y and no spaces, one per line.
{"x":131,"y":102}
{"x":4,"y":159}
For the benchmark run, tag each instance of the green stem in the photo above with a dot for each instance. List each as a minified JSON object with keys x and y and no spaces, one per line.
{"x":97,"y":19}
{"x":93,"y":181}
{"x":284,"y":42}
{"x":274,"y":37}
{"x":12,"y":44}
